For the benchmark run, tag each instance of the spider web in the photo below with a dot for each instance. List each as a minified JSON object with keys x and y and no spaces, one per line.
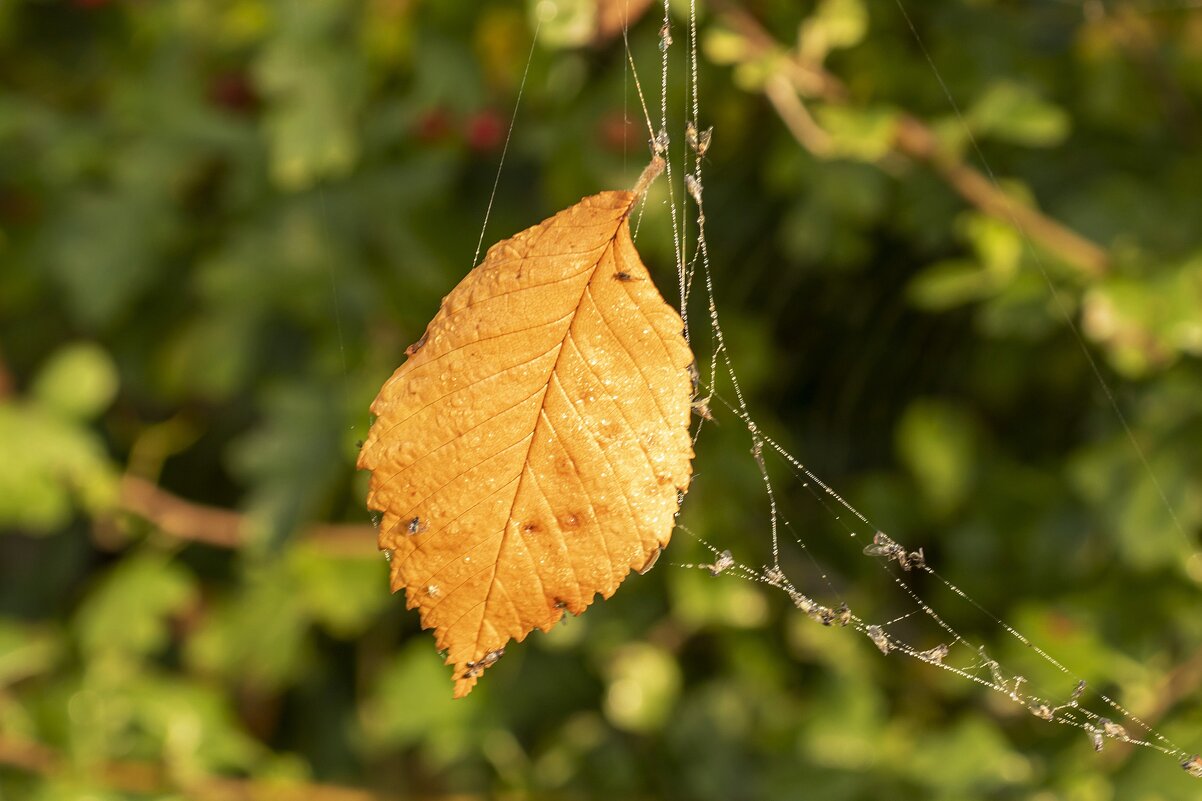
{"x":910,"y":624}
{"x":941,"y":645}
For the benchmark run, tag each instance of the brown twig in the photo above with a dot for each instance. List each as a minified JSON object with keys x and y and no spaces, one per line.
{"x":913,"y":139}
{"x":811,"y":80}
{"x":916,"y":140}
{"x":27,"y":756}
{"x":796,"y":117}
{"x":148,"y":778}
{"x":194,"y":522}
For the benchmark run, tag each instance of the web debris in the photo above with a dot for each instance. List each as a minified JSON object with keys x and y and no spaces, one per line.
{"x":955,"y":654}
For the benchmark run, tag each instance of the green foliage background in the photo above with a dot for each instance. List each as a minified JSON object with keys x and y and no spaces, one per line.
{"x":222,"y":221}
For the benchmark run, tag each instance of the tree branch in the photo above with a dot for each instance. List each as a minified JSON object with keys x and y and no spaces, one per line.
{"x":914,"y":139}
{"x":796,"y":116}
{"x":222,"y":528}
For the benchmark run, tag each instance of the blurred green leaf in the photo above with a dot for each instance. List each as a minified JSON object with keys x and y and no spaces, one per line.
{"x":967,"y":758}
{"x":26,"y":651}
{"x":565,"y":23}
{"x":314,"y":90}
{"x":699,"y":600}
{"x":290,"y":472}
{"x":78,"y":381}
{"x":1013,"y":112}
{"x":343,"y":595}
{"x":129,"y":612}
{"x":724,"y":46}
{"x":186,"y":726}
{"x":996,"y":242}
{"x":834,"y":24}
{"x":103,"y":248}
{"x":195,"y":726}
{"x":73,"y":788}
{"x":864,"y":134}
{"x":257,"y":636}
{"x":937,"y":441}
{"x":1024,"y":310}
{"x":954,"y":282}
{"x":642,"y":687}
{"x":411,"y":703}
{"x":1147,"y":323}
{"x":847,"y":727}
{"x":1131,"y":507}
{"x":947,"y":284}
{"x":50,"y":466}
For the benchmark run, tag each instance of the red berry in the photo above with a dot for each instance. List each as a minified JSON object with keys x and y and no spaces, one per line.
{"x":485,"y":131}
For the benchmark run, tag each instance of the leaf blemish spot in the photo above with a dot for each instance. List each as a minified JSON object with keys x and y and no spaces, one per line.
{"x":623,"y":276}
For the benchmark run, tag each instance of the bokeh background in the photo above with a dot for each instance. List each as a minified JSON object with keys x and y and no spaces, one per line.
{"x":222,"y":221}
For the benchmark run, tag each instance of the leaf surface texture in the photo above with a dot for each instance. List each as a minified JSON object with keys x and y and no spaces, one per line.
{"x":532,"y":449}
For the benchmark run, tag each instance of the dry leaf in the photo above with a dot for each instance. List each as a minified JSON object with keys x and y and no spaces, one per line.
{"x":614,"y":16}
{"x":533,"y":448}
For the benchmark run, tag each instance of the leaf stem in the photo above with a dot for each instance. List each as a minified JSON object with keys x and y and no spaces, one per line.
{"x":649,"y":175}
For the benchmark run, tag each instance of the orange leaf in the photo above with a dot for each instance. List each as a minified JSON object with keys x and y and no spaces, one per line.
{"x":534,"y":447}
